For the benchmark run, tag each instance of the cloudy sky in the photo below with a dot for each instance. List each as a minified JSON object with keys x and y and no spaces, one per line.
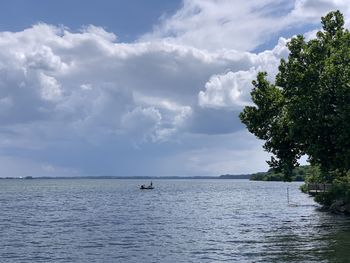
{"x":138,"y":87}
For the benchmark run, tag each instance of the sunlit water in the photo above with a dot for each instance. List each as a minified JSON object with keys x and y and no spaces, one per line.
{"x":179,"y":221}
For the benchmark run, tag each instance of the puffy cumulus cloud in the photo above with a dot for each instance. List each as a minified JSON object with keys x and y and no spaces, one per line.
{"x":87,"y":82}
{"x":174,"y":116}
{"x":142,"y":122}
{"x":231,"y":90}
{"x":43,"y":58}
{"x":239,"y":24}
{"x":50,"y":88}
{"x":97,"y":87}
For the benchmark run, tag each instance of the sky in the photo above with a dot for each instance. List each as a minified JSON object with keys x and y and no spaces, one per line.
{"x":130,"y":88}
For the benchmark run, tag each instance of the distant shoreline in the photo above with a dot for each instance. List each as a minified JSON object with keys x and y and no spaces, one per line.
{"x":248,"y":176}
{"x":299,"y":174}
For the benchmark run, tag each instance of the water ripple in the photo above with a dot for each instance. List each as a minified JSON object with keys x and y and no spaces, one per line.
{"x":179,"y":221}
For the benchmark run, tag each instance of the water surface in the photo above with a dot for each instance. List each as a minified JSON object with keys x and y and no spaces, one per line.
{"x":106,"y":220}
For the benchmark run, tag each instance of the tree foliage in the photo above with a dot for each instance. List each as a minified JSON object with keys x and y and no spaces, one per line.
{"x":307,"y":109}
{"x":300,"y":173}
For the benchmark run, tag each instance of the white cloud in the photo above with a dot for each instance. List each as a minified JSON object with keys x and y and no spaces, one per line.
{"x":212,"y":25}
{"x":42,"y":58}
{"x":231,"y":90}
{"x":313,"y":9}
{"x":142,"y":122}
{"x":88,"y":82}
{"x":50,"y":88}
{"x":239,"y":24}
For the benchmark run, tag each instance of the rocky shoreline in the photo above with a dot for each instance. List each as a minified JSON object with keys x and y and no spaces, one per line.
{"x":339,"y":207}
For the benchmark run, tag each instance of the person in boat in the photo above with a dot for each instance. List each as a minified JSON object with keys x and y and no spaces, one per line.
{"x":151,"y":184}
{"x":143,"y":186}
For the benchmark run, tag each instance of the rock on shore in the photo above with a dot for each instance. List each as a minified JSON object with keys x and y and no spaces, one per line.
{"x":340,"y":207}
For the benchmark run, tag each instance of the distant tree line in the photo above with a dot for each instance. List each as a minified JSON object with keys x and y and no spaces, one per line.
{"x":299,"y":174}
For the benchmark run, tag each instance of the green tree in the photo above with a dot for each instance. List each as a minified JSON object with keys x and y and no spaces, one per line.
{"x":307,"y":109}
{"x":268,"y":120}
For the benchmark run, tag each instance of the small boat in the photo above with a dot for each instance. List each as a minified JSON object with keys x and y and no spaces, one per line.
{"x":149,"y":187}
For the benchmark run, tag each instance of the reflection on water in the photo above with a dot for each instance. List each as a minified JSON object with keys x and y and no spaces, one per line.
{"x":178,"y":221}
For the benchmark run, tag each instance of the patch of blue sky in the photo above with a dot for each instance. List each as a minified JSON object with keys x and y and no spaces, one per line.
{"x":278,"y":8}
{"x":127,"y":19}
{"x":287,"y":33}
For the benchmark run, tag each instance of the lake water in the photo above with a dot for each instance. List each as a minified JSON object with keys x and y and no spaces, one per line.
{"x":108,"y":220}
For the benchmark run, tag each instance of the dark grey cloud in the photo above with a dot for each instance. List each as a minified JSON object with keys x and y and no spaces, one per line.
{"x":214,"y":121}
